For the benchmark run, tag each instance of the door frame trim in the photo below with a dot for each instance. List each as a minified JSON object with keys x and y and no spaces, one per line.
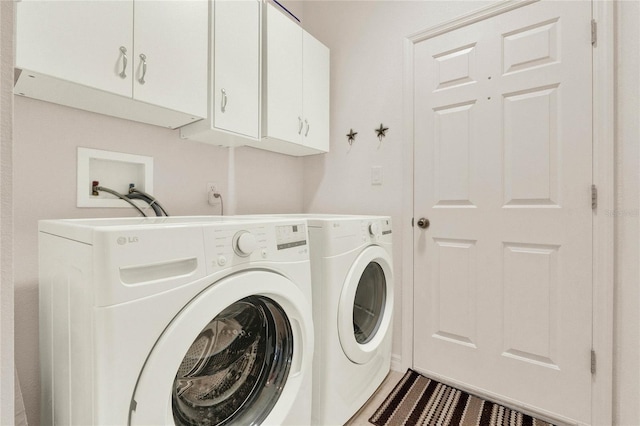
{"x":603,"y":176}
{"x":603,"y":226}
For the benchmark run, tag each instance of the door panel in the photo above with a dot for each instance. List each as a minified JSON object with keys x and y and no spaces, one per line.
{"x":453,"y":149}
{"x":530,"y":300}
{"x":503,"y":167}
{"x":455,"y":268}
{"x":530,"y":147}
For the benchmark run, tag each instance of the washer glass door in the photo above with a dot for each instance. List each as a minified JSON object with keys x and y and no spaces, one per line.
{"x":236,"y":353}
{"x":235,"y":369}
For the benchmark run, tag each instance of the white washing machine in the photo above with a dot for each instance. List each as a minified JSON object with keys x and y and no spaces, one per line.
{"x":175,"y":321}
{"x":352,"y":279}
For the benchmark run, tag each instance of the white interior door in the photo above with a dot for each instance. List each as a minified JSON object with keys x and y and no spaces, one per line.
{"x":503,"y":171}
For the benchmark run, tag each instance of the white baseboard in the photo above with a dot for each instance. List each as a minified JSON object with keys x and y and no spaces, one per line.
{"x":396,"y":363}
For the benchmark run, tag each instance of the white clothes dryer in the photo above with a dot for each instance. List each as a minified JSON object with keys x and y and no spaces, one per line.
{"x":352,"y":280}
{"x":175,"y":321}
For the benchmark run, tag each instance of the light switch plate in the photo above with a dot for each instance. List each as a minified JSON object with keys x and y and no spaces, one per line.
{"x":376,"y":175}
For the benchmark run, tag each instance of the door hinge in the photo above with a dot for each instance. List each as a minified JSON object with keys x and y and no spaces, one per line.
{"x":594,"y":32}
{"x":412,"y":225}
{"x":593,"y":361}
{"x":594,"y":197}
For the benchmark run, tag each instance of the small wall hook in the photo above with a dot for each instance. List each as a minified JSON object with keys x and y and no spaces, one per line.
{"x":381,"y":131}
{"x":351,"y":136}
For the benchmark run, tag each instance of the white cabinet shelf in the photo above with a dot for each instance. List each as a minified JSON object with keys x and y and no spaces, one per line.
{"x":91,"y":55}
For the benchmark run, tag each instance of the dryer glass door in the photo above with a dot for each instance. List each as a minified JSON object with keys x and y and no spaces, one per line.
{"x":368,"y":306}
{"x":235,"y":369}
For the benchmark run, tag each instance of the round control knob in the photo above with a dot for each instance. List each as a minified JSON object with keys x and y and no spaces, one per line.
{"x":245,"y":243}
{"x":374,"y":229}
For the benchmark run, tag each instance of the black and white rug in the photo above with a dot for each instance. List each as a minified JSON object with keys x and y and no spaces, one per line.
{"x":418,"y":400}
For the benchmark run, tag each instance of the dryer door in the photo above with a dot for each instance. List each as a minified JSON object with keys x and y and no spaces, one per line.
{"x":236,"y":354}
{"x":366,"y":304}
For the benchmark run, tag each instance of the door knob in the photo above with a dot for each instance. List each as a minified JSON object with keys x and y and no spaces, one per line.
{"x":423,"y":223}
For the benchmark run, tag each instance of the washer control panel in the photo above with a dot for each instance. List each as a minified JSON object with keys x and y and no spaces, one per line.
{"x":289,"y":236}
{"x":281,"y":241}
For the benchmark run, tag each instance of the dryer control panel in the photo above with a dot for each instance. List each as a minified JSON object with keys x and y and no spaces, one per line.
{"x":376,"y":230}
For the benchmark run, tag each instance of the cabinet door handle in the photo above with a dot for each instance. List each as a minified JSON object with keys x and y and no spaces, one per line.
{"x":223,"y":106}
{"x":123,"y":52}
{"x":299,"y":125}
{"x":143,"y":58}
{"x":306,"y":133}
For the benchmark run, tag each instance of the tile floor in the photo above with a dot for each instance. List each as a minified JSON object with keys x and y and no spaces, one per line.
{"x":361,"y":418}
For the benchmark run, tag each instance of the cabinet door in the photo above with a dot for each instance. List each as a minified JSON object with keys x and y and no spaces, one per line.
{"x":77,"y":41}
{"x":315,"y":93}
{"x":173,"y":37}
{"x":284,"y":77}
{"x":236,"y":80}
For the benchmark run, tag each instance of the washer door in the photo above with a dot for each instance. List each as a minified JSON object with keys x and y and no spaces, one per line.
{"x":366,"y":305}
{"x":236,"y":354}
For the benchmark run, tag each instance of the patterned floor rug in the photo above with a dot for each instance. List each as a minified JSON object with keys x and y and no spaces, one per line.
{"x":418,"y":400}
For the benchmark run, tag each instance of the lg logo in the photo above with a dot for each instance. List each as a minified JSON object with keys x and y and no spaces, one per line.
{"x":124,"y":240}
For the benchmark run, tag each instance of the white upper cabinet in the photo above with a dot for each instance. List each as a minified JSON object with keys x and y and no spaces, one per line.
{"x":315,"y":93}
{"x":234,"y":75}
{"x":254,"y":74}
{"x":296,"y":92}
{"x":171,"y":42}
{"x":77,"y":41}
{"x":236,"y":80}
{"x":268,"y":82}
{"x":82,"y":54}
{"x":283,"y":83}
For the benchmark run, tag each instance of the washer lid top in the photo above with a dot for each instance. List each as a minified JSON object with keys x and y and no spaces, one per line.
{"x":366,"y":305}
